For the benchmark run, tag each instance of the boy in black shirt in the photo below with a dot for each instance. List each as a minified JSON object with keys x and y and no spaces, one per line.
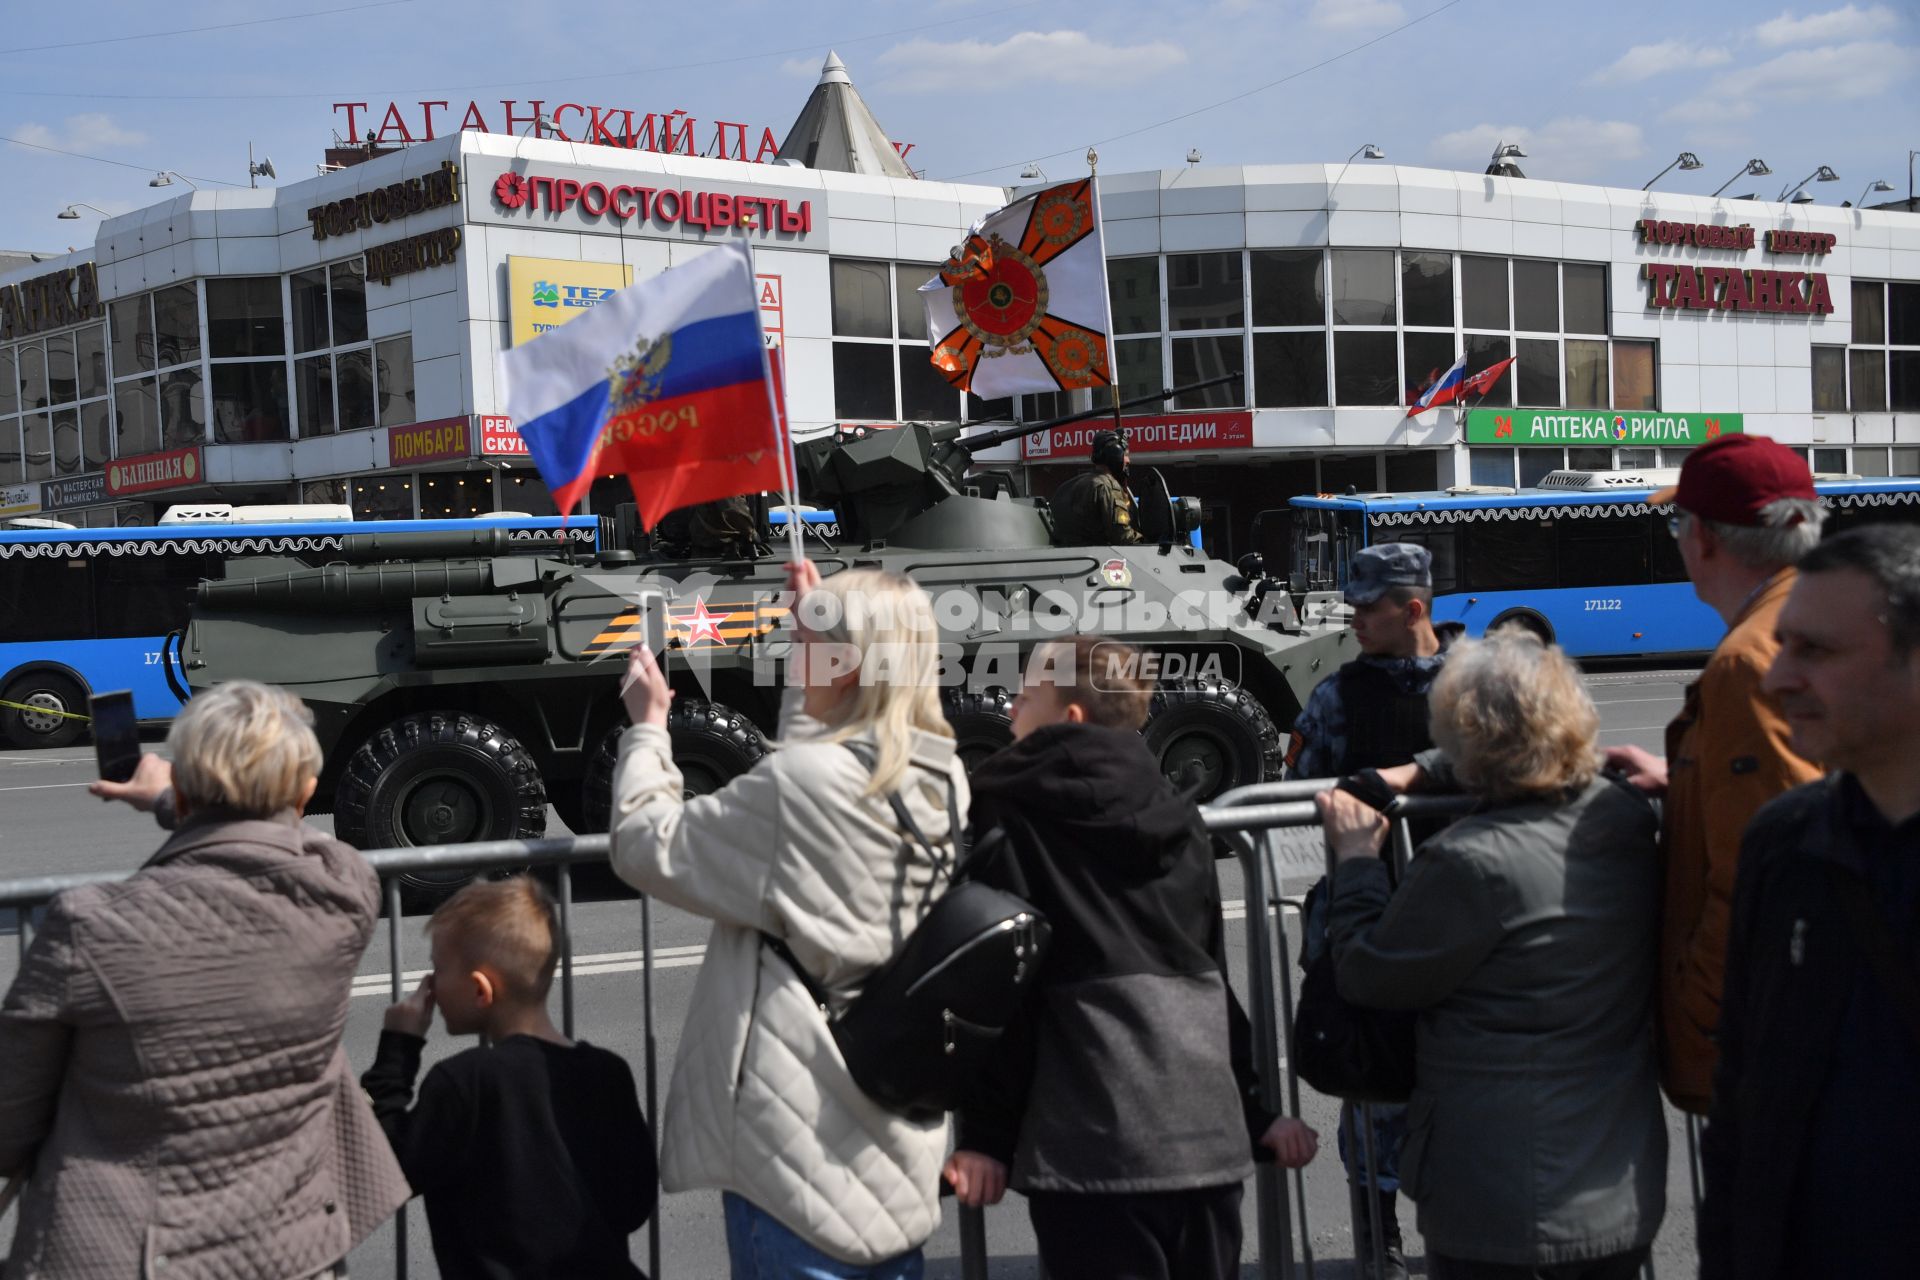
{"x":529,"y":1150}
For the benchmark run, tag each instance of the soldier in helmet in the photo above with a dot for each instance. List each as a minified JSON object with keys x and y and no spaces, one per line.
{"x":721,"y":529}
{"x":1095,"y":508}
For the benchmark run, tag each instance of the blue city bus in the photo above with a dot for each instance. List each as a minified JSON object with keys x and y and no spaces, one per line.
{"x":85,"y":610}
{"x":1582,"y":560}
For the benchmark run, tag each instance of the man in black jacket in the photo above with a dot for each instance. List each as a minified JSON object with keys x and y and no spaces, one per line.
{"x":1809,"y":1151}
{"x":1126,"y":1105}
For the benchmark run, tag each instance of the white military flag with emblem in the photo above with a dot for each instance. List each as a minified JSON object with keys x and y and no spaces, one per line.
{"x":1021,"y":306}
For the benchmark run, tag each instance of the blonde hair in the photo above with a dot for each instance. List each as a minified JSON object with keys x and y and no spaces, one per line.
{"x":509,"y":925}
{"x":884,"y":622}
{"x":243,"y":747}
{"x":1512,"y":715}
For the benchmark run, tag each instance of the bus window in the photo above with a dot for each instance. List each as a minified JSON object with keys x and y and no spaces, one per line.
{"x":1509,"y":555}
{"x":1441,"y":544}
{"x":1603,"y":551}
{"x":44,"y":597}
{"x":145,"y":595}
{"x":1323,"y":541}
{"x":1667,"y":564}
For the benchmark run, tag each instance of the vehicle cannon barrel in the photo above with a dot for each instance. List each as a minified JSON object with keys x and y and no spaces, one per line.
{"x":440,"y":544}
{"x":336,"y":587}
{"x":1000,"y":435}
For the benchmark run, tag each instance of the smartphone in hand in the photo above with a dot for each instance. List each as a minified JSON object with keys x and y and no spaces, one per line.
{"x":116,"y":735}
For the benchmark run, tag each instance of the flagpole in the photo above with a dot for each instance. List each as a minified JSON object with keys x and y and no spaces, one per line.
{"x":1106,"y":297}
{"x":782,"y":425}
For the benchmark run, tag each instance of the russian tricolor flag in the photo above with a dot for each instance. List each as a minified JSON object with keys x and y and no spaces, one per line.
{"x":665,"y":382}
{"x":1445,"y":388}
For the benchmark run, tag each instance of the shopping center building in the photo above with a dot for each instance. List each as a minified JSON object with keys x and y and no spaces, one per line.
{"x":335,"y":339}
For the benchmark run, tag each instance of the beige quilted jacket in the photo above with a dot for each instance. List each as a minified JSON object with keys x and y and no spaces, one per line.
{"x":171,"y":1071}
{"x":760,"y":1101}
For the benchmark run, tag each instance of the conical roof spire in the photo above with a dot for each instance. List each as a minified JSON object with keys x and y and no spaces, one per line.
{"x":836,"y":131}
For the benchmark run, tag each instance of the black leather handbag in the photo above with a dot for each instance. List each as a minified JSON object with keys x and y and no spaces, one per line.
{"x":918,"y":1035}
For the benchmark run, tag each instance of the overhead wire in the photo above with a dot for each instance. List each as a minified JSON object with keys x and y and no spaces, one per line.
{"x":144,"y":168}
{"x":1214,"y":106}
{"x":191,"y":31}
{"x":812,"y":47}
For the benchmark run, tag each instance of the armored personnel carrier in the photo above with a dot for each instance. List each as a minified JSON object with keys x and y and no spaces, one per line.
{"x":458,"y":690}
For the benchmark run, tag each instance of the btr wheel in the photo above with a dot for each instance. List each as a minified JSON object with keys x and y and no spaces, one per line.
{"x":982,"y":723}
{"x":45,"y":709}
{"x":1211,"y":736}
{"x":439,"y":778}
{"x":712,"y":744}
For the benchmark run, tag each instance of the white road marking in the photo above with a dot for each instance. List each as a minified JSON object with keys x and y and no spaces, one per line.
{"x":47,"y":786}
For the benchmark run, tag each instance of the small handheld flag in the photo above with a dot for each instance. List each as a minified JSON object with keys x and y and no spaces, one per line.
{"x":1021,"y":305}
{"x":665,"y":382}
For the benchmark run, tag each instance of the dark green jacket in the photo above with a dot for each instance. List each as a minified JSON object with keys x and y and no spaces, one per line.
{"x":1093,"y":509}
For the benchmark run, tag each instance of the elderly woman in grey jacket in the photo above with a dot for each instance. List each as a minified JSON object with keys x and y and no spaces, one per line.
{"x":1526,"y":936}
{"x":171,"y":1078}
{"x":818,"y":1178}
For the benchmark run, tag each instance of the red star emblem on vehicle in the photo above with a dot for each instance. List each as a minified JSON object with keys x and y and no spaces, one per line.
{"x":703,"y":624}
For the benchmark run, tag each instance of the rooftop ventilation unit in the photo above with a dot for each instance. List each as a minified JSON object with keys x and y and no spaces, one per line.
{"x":1635,"y":478}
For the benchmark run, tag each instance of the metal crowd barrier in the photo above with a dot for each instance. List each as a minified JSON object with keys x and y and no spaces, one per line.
{"x":1243,"y":820}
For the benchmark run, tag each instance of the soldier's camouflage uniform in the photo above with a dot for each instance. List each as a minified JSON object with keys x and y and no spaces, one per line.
{"x":1093,"y":509}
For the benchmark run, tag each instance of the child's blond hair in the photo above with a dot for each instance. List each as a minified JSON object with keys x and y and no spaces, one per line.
{"x":510,"y":926}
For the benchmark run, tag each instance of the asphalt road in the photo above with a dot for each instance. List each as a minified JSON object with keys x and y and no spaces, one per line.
{"x":50,"y":826}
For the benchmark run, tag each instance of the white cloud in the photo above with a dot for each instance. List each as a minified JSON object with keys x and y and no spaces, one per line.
{"x":1866,"y":69}
{"x":1031,"y":57}
{"x":1645,"y":61}
{"x":92,"y":131}
{"x":1568,"y":147}
{"x":1345,"y":15}
{"x":1849,"y":23}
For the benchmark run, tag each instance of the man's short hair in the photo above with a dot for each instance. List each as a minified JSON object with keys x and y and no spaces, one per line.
{"x":1106,"y":679}
{"x":1788,"y":528}
{"x":1401,"y":597}
{"x":510,"y":926}
{"x":1890,"y":555}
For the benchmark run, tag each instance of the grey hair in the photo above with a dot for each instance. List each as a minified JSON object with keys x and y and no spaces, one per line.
{"x":1512,"y":715}
{"x":1889,"y":554}
{"x":244,"y":747}
{"x":1788,"y":529}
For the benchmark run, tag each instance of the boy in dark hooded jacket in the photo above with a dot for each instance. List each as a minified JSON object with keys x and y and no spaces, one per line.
{"x":1125,"y":1105}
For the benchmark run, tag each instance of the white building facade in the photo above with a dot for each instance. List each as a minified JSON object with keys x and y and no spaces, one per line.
{"x":336,"y":339}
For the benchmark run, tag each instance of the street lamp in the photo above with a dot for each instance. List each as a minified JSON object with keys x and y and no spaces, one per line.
{"x":1756,"y":168}
{"x":1502,"y":166}
{"x":73,"y":210}
{"x":1878,"y":184}
{"x":165,"y":178}
{"x":1368,"y":150}
{"x":1687,"y":162}
{"x":1822,"y":174}
{"x":1034,"y":170}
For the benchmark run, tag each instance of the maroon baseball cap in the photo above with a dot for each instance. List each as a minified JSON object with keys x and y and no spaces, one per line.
{"x":1732,"y":478}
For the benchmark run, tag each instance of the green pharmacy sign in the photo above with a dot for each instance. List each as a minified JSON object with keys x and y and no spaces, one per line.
{"x":1562,"y":426}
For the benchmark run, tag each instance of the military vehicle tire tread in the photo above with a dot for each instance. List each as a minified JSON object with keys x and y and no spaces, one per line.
{"x":713,"y":744}
{"x":56,"y":693}
{"x":982,"y":722}
{"x":1227,"y":716}
{"x":497,"y":769}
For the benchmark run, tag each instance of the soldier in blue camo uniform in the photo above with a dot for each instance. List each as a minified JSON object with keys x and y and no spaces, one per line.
{"x":1372,"y":714}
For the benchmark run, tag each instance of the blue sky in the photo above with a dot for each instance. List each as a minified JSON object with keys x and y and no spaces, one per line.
{"x":1595,"y":92}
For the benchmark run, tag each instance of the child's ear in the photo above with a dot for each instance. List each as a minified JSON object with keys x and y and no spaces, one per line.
{"x":484,"y":993}
{"x":1074,"y":713}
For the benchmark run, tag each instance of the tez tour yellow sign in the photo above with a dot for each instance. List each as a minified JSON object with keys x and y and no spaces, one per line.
{"x":545,"y":293}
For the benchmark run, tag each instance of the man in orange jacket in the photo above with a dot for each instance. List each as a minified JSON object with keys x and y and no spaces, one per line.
{"x":1745,"y":511}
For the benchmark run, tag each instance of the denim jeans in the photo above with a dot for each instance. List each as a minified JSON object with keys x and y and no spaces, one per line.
{"x":762,"y":1249}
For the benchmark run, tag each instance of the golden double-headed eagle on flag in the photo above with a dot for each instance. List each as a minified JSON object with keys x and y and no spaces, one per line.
{"x":1021,"y":305}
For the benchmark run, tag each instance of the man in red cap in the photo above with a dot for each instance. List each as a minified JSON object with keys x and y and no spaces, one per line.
{"x":1744,"y":513}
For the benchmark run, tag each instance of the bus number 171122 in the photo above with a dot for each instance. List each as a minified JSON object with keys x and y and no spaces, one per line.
{"x":1604,"y":606}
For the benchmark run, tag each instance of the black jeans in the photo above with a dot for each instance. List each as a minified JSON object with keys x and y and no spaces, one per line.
{"x":1149,"y":1235}
{"x":1618,"y":1266}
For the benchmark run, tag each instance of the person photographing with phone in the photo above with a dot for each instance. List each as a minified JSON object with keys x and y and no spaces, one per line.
{"x":199,"y":1005}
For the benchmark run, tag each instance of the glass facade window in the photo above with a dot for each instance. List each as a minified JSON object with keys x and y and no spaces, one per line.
{"x":1903,"y":314}
{"x":131,"y":320}
{"x":313,"y":396}
{"x":36,"y":447}
{"x":347,"y":283}
{"x":1483,"y":292}
{"x":1290,"y":370}
{"x":1426,"y":289}
{"x":9,"y":380}
{"x":1133,"y":285}
{"x":243,"y":317}
{"x":1413,"y":471}
{"x":311,"y":330}
{"x":1590,"y":459}
{"x":1586,"y":297}
{"x":1880,"y":374}
{"x":1587,"y":380}
{"x":90,"y":360}
{"x":1830,"y":461}
{"x":1536,"y":296}
{"x":1136,"y":370}
{"x":393,"y":382}
{"x":1903,"y":369}
{"x":1905,"y":461}
{"x":925,"y":393}
{"x":1484,"y":350}
{"x":1490,"y":466}
{"x":862,"y":299}
{"x":249,"y":402}
{"x":1197,"y":359}
{"x":33,"y":375}
{"x":353,"y":388}
{"x":863,"y":381}
{"x":1869,"y":312}
{"x":1829,"y":379}
{"x":881,"y":372}
{"x":136,"y":417}
{"x":183,"y":406}
{"x":1365,"y":369}
{"x":1205,"y":291}
{"x":1289,"y":287}
{"x":1870,"y":462}
{"x":1428,"y":355}
{"x":1867,"y":380}
{"x":1537,"y":464}
{"x":1538,"y":367}
{"x":908,"y":305}
{"x":62,"y":386}
{"x":176,"y":320}
{"x":1625,"y":457}
{"x":1362,"y":286}
{"x":1634,"y":375}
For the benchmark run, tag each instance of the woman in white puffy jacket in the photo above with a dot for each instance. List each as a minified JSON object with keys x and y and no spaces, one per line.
{"x":819,"y":1180}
